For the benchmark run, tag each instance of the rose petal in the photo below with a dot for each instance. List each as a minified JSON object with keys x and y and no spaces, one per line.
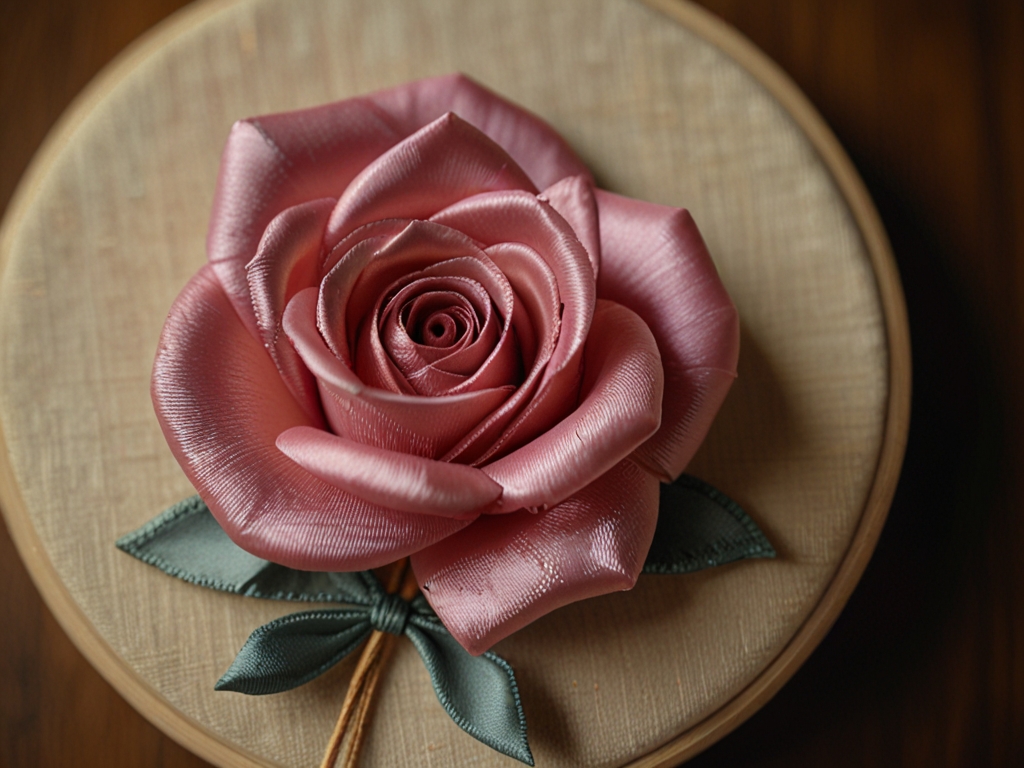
{"x":424,"y":426}
{"x":288,"y":260}
{"x":273,"y":162}
{"x":654,"y":261}
{"x":397,"y":480}
{"x":221,"y":404}
{"x":538,"y":322}
{"x":443,"y":162}
{"x":519,"y":217}
{"x":620,"y":408}
{"x":504,"y":571}
{"x":573,"y":198}
{"x":531,"y":142}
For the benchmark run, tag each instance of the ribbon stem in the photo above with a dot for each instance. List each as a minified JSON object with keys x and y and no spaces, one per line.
{"x":365,"y":703}
{"x":365,"y":678}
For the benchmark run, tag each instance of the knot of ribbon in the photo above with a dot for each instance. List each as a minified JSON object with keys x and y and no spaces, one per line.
{"x":478,"y":692}
{"x":390,"y":614}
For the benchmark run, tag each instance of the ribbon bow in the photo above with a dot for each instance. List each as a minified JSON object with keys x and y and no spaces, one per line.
{"x":478,"y":692}
{"x":698,"y":527}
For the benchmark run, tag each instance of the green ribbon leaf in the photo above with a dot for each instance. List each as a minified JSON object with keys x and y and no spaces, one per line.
{"x":186,"y":541}
{"x":292,"y":650}
{"x":700,"y":527}
{"x":478,"y":692}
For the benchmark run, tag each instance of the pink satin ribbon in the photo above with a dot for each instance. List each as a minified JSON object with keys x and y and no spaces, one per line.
{"x":400,"y":347}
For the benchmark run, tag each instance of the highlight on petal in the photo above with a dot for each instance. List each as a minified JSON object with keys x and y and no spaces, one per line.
{"x":424,"y":426}
{"x":573,"y":198}
{"x":654,"y":261}
{"x":288,"y":260}
{"x":273,"y":162}
{"x":620,"y":408}
{"x":397,"y":480}
{"x":440,"y":164}
{"x":221,"y":405}
{"x":504,"y":571}
{"x":535,"y":146}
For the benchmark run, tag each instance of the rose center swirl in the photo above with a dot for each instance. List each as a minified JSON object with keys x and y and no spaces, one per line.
{"x":440,"y":334}
{"x":440,"y":319}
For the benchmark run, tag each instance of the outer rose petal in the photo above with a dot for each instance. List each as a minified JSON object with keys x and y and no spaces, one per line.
{"x":573,"y":198}
{"x":654,"y":261}
{"x":620,"y":408}
{"x":533,"y":144}
{"x":397,"y":480}
{"x":221,"y":404}
{"x":276,"y":161}
{"x":442,"y":163}
{"x":504,"y":571}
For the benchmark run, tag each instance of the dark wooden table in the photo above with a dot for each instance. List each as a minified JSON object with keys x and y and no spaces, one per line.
{"x":926,"y":665}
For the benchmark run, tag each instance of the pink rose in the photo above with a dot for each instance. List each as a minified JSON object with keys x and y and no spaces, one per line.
{"x":423,"y":332}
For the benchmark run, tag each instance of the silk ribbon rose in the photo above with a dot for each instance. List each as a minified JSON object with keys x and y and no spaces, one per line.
{"x":422,"y":331}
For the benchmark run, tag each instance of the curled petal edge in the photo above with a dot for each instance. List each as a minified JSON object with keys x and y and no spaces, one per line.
{"x":288,"y":260}
{"x":573,"y":199}
{"x":397,"y":480}
{"x":621,"y":401}
{"x":654,"y":261}
{"x":441,"y":163}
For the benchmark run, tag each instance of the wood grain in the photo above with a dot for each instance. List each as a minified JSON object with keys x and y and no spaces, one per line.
{"x":915,"y":180}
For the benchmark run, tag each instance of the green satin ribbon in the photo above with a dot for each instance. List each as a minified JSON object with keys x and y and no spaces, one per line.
{"x":478,"y":692}
{"x":698,"y":527}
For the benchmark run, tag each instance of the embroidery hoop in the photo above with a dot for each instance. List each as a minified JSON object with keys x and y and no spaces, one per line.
{"x":106,"y":129}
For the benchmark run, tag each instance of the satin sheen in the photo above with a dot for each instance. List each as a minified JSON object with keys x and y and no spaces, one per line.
{"x":423,"y":332}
